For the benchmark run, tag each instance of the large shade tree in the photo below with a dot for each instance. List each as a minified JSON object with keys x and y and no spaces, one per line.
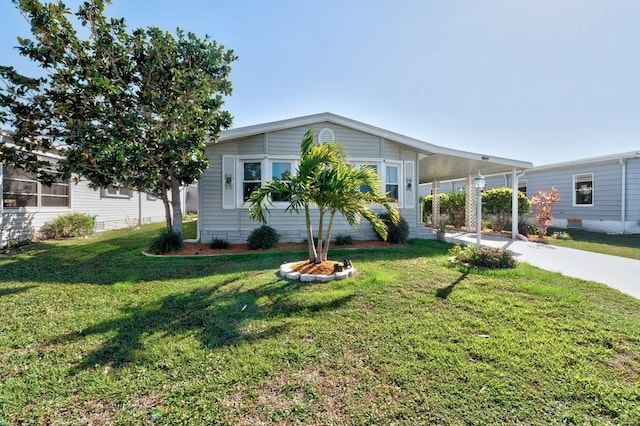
{"x":131,"y":109}
{"x":325,"y":180}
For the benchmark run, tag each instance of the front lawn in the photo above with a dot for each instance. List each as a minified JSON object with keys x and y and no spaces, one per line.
{"x":627,"y":245}
{"x":94,"y":333}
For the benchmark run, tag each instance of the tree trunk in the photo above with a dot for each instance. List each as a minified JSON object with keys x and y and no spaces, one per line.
{"x":176,"y":207}
{"x":167,"y":211}
{"x":320,"y":225}
{"x":313,"y":255}
{"x":325,"y":249}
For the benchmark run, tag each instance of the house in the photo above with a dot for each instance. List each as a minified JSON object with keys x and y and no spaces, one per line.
{"x":596,"y":194}
{"x":245,"y":158}
{"x":26,"y":204}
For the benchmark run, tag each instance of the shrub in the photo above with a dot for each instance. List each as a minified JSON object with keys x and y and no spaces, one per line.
{"x":496,"y":202}
{"x":166,"y":242}
{"x":264,"y":237}
{"x":398,"y":233}
{"x":561,"y":235}
{"x":485,"y":257}
{"x":219,"y":244}
{"x":544,"y":202}
{"x":68,"y":226}
{"x":454,"y":205}
{"x":344,"y":240}
{"x":427,"y":208}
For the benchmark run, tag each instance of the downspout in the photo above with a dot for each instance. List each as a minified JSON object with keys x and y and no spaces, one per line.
{"x":623,"y":209}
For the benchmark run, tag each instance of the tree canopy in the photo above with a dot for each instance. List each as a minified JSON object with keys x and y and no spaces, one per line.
{"x":132,"y":109}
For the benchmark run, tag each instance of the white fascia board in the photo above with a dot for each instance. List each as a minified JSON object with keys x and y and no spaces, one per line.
{"x":591,"y":160}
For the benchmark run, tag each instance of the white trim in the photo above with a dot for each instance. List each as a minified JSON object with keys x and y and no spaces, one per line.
{"x":400,"y":174}
{"x":575,"y":176}
{"x":410,"y":177}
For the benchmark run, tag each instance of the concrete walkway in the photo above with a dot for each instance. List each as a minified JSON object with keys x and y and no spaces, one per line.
{"x":617,"y":272}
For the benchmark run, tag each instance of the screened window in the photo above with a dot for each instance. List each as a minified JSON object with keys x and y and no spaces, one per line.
{"x":583,"y":189}
{"x":21,"y":189}
{"x":392,"y":178}
{"x":251,"y":178}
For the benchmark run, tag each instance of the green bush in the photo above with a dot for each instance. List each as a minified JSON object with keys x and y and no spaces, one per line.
{"x":485,"y":257}
{"x":497,"y":202}
{"x":166,"y":242}
{"x":264,"y":237}
{"x":67,"y":226}
{"x":219,"y":244}
{"x":454,"y":206}
{"x":344,"y":240}
{"x":398,"y":233}
{"x":427,"y":208}
{"x":561,"y":235}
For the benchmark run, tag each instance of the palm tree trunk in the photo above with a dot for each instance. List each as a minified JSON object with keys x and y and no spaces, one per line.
{"x":320,"y":225}
{"x":313,"y":254}
{"x":325,"y":249}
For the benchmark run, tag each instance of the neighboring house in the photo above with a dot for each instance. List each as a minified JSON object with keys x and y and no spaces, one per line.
{"x":26,"y":204}
{"x":596,"y":194}
{"x":248,"y":157}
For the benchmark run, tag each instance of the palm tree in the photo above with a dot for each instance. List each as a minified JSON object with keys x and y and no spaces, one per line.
{"x":324,"y":178}
{"x":343,"y":194}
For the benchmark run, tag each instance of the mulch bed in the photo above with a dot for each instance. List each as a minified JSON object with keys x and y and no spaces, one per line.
{"x":195,"y":249}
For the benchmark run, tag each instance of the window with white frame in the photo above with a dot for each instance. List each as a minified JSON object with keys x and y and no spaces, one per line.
{"x":392,"y":179}
{"x":281,"y":170}
{"x":583,"y":189}
{"x":116,"y":192}
{"x":251,"y":178}
{"x":21,"y":189}
{"x":374,"y":167}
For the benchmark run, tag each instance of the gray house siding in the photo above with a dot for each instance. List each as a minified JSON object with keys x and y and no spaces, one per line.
{"x":220,"y":218}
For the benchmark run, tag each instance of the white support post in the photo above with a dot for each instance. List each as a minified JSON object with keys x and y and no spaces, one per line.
{"x":435,"y":207}
{"x":470,"y":204}
{"x":514,"y":205}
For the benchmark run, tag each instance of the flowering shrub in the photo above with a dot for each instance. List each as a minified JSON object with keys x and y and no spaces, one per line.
{"x":486,"y":257}
{"x":544,"y":201}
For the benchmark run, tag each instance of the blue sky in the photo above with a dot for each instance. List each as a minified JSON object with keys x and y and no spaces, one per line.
{"x":540,"y":80}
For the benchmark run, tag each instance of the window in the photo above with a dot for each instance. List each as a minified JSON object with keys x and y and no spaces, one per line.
{"x":116,"y":192}
{"x":251,"y":178}
{"x":374,"y":167}
{"x":21,"y":189}
{"x":280,"y":170}
{"x":522,"y":186}
{"x":583,"y":189}
{"x":391,"y":181}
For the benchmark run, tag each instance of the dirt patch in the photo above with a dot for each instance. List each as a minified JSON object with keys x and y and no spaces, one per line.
{"x":197,"y":249}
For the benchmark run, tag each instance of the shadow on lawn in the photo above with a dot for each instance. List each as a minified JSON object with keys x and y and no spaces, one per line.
{"x":444,"y":292}
{"x":214,"y":315}
{"x":118,"y":258}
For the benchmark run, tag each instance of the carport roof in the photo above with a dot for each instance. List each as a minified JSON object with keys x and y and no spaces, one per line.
{"x":435,"y":162}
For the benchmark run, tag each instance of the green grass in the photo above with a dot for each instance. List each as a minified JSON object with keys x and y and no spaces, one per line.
{"x":94,"y":333}
{"x":627,"y":245}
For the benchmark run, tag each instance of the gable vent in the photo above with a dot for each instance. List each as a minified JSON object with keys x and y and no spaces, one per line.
{"x":326,"y":136}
